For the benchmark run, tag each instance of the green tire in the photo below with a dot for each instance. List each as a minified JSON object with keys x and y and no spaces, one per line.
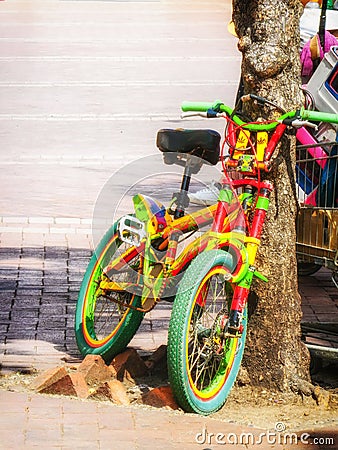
{"x":103,"y":327}
{"x":202,"y":364}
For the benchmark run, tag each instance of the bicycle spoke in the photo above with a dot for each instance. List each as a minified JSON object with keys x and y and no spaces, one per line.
{"x":205,"y":353}
{"x":106,"y":313}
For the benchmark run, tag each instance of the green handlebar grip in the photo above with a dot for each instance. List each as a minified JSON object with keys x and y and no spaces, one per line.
{"x":318,"y":116}
{"x":197,"y":106}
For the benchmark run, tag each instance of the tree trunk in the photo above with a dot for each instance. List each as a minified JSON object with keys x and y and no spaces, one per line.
{"x":275,"y":357}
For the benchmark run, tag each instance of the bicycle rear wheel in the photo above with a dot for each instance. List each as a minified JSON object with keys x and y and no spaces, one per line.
{"x":102,"y":326}
{"x":202,"y":362}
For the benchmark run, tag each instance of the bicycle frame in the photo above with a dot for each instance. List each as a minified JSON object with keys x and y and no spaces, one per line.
{"x":229,"y":230}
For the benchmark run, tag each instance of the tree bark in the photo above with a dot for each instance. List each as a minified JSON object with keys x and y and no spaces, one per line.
{"x":275,"y":357}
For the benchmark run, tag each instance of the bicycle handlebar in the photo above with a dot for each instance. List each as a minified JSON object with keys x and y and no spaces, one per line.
{"x":318,"y":116}
{"x":199,"y":106}
{"x":287,"y":118}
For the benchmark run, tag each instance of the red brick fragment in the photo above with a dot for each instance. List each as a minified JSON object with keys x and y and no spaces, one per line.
{"x":79,"y":383}
{"x":160,"y":397}
{"x":59,"y":381}
{"x":101,"y":392}
{"x":118,"y":392}
{"x":112,"y":390}
{"x":94,"y":369}
{"x":159,"y":357}
{"x":53,"y":379}
{"x":129,"y":365}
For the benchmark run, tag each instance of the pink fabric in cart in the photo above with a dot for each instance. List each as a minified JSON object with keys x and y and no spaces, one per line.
{"x":305,"y":56}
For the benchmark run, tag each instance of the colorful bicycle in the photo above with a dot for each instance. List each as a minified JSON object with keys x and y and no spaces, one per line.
{"x":139,"y":261}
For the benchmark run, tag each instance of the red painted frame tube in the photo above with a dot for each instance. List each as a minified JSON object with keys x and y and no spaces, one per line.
{"x":273,"y":141}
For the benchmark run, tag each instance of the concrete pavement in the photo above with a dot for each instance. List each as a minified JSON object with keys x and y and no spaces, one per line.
{"x":85,"y":85}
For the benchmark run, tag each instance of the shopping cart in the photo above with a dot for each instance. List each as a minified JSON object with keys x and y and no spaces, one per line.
{"x":317,"y":222}
{"x":317,"y":176}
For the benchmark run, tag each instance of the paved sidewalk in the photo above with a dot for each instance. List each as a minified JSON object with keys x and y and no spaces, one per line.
{"x":40,"y":275}
{"x":37,"y":421}
{"x":40,"y":278}
{"x":42,"y":422}
{"x":85,"y":85}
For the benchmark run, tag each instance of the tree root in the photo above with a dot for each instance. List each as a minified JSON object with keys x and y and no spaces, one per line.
{"x":305,"y":388}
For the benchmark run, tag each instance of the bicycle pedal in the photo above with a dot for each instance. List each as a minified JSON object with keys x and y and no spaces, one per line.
{"x":131,"y":230}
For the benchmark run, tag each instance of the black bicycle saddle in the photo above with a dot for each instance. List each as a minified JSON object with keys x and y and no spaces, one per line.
{"x":204,"y":144}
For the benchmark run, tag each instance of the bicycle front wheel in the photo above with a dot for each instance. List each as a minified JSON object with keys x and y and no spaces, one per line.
{"x":102,"y":326}
{"x":202,"y":361}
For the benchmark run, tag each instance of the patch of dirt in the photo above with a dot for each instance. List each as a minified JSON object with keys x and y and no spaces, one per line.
{"x":245,"y":405}
{"x":17,"y":381}
{"x":268,"y":410}
{"x":271,"y":410}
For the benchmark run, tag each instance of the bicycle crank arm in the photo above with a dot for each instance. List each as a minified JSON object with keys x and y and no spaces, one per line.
{"x":128,"y":305}
{"x":121,"y":287}
{"x":148,"y":303}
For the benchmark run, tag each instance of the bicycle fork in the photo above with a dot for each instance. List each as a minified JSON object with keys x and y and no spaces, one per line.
{"x":242,"y":288}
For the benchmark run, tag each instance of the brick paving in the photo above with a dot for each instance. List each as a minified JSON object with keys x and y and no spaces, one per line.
{"x":39,"y":285}
{"x":40,"y":277}
{"x":319,"y":306}
{"x":69,"y":423}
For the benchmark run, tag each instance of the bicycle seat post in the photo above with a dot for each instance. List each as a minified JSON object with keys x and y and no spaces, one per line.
{"x":182,"y":198}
